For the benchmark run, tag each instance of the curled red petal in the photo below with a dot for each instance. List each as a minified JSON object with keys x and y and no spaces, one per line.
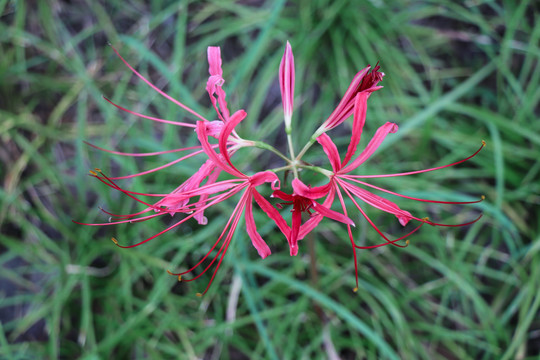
{"x":272,"y":213}
{"x":215,"y":83}
{"x":331,"y":214}
{"x":359,"y":119}
{"x":235,"y":119}
{"x":373,"y":145}
{"x":311,"y":192}
{"x":379,"y":202}
{"x":251,"y":228}
{"x":282,"y":195}
{"x":331,"y":151}
{"x":263,"y":177}
{"x":218,"y":161}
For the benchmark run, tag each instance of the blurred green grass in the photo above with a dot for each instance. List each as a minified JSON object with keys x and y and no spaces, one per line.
{"x":457,"y":73}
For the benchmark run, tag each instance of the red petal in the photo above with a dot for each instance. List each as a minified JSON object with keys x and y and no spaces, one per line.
{"x":373,"y":145}
{"x":310,"y":192}
{"x":203,"y":138}
{"x":235,"y":119}
{"x":331,"y":214}
{"x":282,"y":195}
{"x":344,"y":109}
{"x":272,"y":213}
{"x":251,"y":229}
{"x":360,"y":108}
{"x":316,"y":219}
{"x":379,"y":202}
{"x":205,"y":190}
{"x":264,"y":177}
{"x":331,"y":151}
{"x":295,"y":229}
{"x":212,"y":178}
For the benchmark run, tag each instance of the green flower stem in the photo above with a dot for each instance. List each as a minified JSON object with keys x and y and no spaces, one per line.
{"x":265,"y":146}
{"x":318,"y":169}
{"x":311,"y":141}
{"x":283,"y":168}
{"x":288,"y":130}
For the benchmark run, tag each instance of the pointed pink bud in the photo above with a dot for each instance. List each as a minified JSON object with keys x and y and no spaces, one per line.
{"x":286,"y":83}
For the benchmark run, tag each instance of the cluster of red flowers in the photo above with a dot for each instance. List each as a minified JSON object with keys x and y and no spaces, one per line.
{"x":205,"y":189}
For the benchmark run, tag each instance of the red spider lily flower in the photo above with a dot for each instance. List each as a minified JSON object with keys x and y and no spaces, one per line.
{"x":303,"y":204}
{"x":214,"y":193}
{"x":183,"y":198}
{"x":204,"y":188}
{"x":208,"y":170}
{"x":286,"y":84}
{"x":342,"y":180}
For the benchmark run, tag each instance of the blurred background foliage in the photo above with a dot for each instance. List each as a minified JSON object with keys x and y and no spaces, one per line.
{"x":456,"y":73}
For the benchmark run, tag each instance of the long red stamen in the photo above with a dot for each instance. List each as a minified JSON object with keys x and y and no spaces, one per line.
{"x":227,"y":243}
{"x":176,"y":196}
{"x":156,"y":89}
{"x":184,"y":209}
{"x":410,"y":197}
{"x":124,"y":216}
{"x":455,"y":225}
{"x":148,"y":117}
{"x":160,"y":208}
{"x":389,"y":242}
{"x":213,"y":247}
{"x":113,"y":185}
{"x":141,"y":154}
{"x":420,"y":171}
{"x":229,"y":228}
{"x":159,"y":167}
{"x":144,"y":218}
{"x":155,"y":207}
{"x":231,"y":193}
{"x":350,"y":238}
{"x":393,"y":241}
